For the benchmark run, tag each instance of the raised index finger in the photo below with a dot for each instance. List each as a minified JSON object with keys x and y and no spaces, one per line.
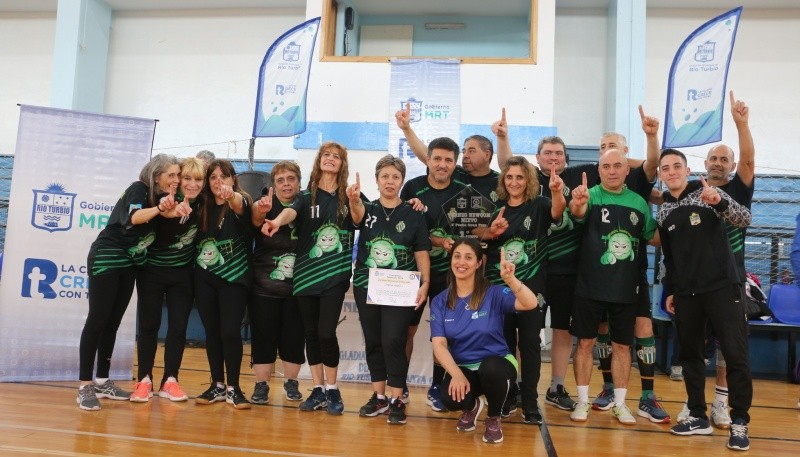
{"x":500,"y":213}
{"x":641,"y":112}
{"x":703,"y":181}
{"x":503,"y":116}
{"x":502,"y":254}
{"x":269,"y":194}
{"x":585,"y":182}
{"x":358,"y":180}
{"x":408,"y":108}
{"x":733,"y":99}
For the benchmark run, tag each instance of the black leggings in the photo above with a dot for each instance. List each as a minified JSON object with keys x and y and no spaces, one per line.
{"x":493,"y":379}
{"x":385,"y":334}
{"x":277,"y":328}
{"x":152,"y":285}
{"x":109,"y":295}
{"x":221,"y":306}
{"x":320,"y":318}
{"x":529,"y":324}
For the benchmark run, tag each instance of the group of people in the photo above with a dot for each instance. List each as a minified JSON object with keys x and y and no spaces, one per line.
{"x":571,"y":239}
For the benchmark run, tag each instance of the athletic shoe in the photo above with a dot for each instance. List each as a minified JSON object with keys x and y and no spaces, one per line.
{"x":560,"y":399}
{"x":684,"y":414}
{"x":623,"y":414}
{"x":692,"y":426}
{"x":739,"y":441}
{"x":212,"y":395}
{"x":317,"y":400}
{"x":719,"y":415}
{"x":405,"y":396}
{"x":533,"y":416}
{"x":111,"y":391}
{"x":676,"y":373}
{"x":173,"y":391}
{"x":466,"y":423}
{"x":510,"y":405}
{"x":374,"y":407}
{"x":651,"y":409}
{"x":434,"y":399}
{"x":581,"y":412}
{"x":142,"y":392}
{"x":604,"y":400}
{"x":235,"y":397}
{"x":87,"y":398}
{"x":397,"y":412}
{"x":292,"y":389}
{"x":260,"y":393}
{"x":335,"y":404}
{"x":494,"y":431}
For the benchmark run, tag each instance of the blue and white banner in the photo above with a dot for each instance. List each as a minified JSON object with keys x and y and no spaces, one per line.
{"x":70,"y":168}
{"x":433,"y":89}
{"x":696,"y":86}
{"x":283,"y":83}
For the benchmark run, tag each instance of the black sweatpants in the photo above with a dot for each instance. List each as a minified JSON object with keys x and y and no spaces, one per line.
{"x":320,"y":315}
{"x":725,"y":310}
{"x":221,"y":306}
{"x":277,"y":328}
{"x":493,"y":379}
{"x":152,"y":286}
{"x":109,"y":295}
{"x":529,"y":324}
{"x":385,"y":335}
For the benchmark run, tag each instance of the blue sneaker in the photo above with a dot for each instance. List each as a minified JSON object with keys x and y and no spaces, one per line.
{"x":317,"y":400}
{"x":335,"y":405}
{"x":650,"y":408}
{"x":739,"y":441}
{"x":435,"y":399}
{"x":605,"y":400}
{"x":696,"y":426}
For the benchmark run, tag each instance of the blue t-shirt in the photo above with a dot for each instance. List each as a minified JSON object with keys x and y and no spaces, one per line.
{"x":473,"y":335}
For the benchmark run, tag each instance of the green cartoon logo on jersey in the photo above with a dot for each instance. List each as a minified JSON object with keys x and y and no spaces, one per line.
{"x":620,"y":247}
{"x":515,"y":251}
{"x":284,"y":269}
{"x":327,"y":241}
{"x":186,"y":239}
{"x":141,"y":246}
{"x":438,"y":251}
{"x":381,"y":254}
{"x":209,"y":255}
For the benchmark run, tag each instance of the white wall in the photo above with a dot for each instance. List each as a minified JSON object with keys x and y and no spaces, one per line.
{"x":27,"y":41}
{"x":764,"y":72}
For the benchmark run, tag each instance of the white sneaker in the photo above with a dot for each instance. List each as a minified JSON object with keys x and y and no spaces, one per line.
{"x":581,"y":412}
{"x":684,"y":414}
{"x":719,"y":415}
{"x":676,"y":373}
{"x":623,"y":414}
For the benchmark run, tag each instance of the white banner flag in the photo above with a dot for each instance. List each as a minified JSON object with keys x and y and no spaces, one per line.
{"x":433,"y":90}
{"x":70,"y":168}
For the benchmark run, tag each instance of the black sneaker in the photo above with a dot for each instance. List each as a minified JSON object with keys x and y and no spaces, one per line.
{"x":335,"y":405}
{"x":560,"y":399}
{"x":292,"y":388}
{"x":694,"y":426}
{"x":533,"y":416}
{"x":317,"y":400}
{"x":397,"y":412}
{"x":211,"y":395}
{"x":374,"y":407}
{"x":510,"y":405}
{"x":739,"y":441}
{"x":235,"y":397}
{"x":260,"y":393}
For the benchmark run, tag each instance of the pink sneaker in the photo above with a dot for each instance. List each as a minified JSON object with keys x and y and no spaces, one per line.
{"x":172,"y":391}
{"x":142,"y":392}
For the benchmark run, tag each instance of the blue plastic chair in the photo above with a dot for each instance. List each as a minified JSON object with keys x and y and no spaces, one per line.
{"x":784,"y":301}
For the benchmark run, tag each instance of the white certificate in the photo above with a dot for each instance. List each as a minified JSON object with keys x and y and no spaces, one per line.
{"x":392,"y":287}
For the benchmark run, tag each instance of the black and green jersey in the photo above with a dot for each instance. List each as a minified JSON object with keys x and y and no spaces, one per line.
{"x":388,"y":238}
{"x":616,"y":224}
{"x":743,"y":195}
{"x":176,"y":240}
{"x":274,"y":258}
{"x":324,"y":245}
{"x":224,"y":250}
{"x":122,"y":244}
{"x":435,"y":217}
{"x":486,"y":185}
{"x":525,"y":243}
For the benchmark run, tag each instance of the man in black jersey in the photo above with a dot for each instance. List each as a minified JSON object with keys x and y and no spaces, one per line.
{"x":475,"y":167}
{"x":719,"y":164}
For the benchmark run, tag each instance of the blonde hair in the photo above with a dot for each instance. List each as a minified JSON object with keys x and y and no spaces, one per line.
{"x":531,"y":178}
